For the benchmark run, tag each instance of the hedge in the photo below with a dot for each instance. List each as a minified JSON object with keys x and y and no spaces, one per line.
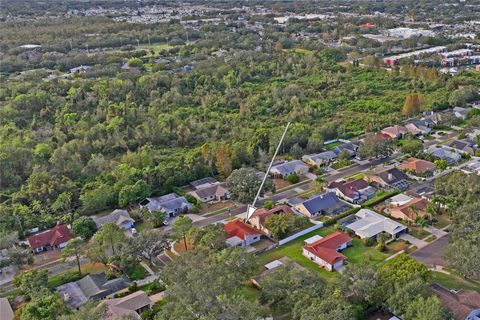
{"x":333,"y":220}
{"x":379,"y":199}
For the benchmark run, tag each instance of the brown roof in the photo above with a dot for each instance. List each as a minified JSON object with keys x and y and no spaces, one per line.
{"x":395,"y":130}
{"x":417,"y":165}
{"x":461,"y":303}
{"x":120,"y":307}
{"x":411,"y":209}
{"x":326,"y":248}
{"x":263,"y":213}
{"x":349,"y":187}
{"x":59,"y":234}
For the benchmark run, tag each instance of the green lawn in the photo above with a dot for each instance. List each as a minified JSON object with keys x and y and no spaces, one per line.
{"x":332,"y":145}
{"x":443,"y":221}
{"x":356,"y":254}
{"x":137,"y":273}
{"x":249,"y":292}
{"x":451,"y":281}
{"x":395,"y":246}
{"x":418,"y":232}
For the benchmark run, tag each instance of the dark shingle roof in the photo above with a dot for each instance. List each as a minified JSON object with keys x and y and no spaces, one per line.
{"x":322,"y":202}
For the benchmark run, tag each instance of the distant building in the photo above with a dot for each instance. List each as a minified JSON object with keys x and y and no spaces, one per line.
{"x":353,"y":190}
{"x":55,"y":238}
{"x":204,"y":182}
{"x":464,"y":304}
{"x":451,"y":156}
{"x":417,"y":166}
{"x":285,"y":169}
{"x":410,"y":210}
{"x":461,"y":113}
{"x":391,"y":178}
{"x":212,"y":193}
{"x":120,"y":217}
{"x":350,"y":147}
{"x":171,"y":204}
{"x":260,"y":215}
{"x":395,"y":132}
{"x":129,"y":306}
{"x":319,"y":159}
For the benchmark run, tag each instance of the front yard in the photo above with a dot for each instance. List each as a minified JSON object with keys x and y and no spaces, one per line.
{"x":418,"y":232}
{"x":357,"y":254}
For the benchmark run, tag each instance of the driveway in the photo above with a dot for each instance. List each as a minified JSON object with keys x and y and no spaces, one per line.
{"x":432,"y":254}
{"x":437,"y":232}
{"x":416,"y":242}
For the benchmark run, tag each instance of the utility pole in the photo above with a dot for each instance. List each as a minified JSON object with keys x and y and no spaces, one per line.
{"x":251,"y":208}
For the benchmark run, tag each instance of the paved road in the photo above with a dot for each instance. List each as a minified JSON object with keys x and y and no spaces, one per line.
{"x":432,"y":254}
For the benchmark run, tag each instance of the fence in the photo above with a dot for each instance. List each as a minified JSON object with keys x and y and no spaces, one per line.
{"x":300,"y":233}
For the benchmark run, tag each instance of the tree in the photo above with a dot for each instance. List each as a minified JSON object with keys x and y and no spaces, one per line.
{"x":18,"y":257}
{"x":412,"y":146}
{"x":201,"y":284}
{"x":63,"y":204}
{"x":413,"y":105}
{"x":74,"y":248}
{"x":84,"y":227}
{"x":33,"y":284}
{"x":244,"y":184}
{"x":156,"y":218}
{"x":211,"y":237}
{"x":293,"y":178}
{"x":224,"y":161}
{"x":375,"y":146}
{"x":280,"y":225}
{"x":330,"y":306}
{"x":441,"y":165}
{"x":180,"y":228}
{"x":109,"y":237}
{"x":48,"y":307}
{"x":135,"y":62}
{"x":269,"y":204}
{"x":285,"y":286}
{"x":426,"y":308}
{"x":296,"y":151}
{"x":133,"y":193}
{"x":89,"y":311}
{"x":358,"y":283}
{"x":150,"y":244}
{"x":461,"y":96}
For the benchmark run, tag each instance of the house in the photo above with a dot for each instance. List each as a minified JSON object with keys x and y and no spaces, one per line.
{"x":462,"y":146}
{"x":204,"y":182}
{"x":241,"y":234}
{"x":473,"y":167}
{"x":129,"y":306}
{"x":324,"y":204}
{"x":91,"y":287}
{"x":213,"y":193}
{"x":55,"y":238}
{"x":260,"y":215}
{"x":444,"y":153}
{"x":369,"y":224}
{"x":80,"y":70}
{"x":416,"y":127}
{"x":432,"y":116}
{"x":352,"y":190}
{"x":409,"y":210}
{"x":395,"y":132}
{"x":398,"y":200}
{"x":6,"y":311}
{"x":120,"y":217}
{"x":464,"y":304}
{"x":319,"y":159}
{"x":417,"y":166}
{"x":350,"y":147}
{"x":391,"y":178}
{"x":171,"y":204}
{"x":285,"y":169}
{"x":461,"y":113}
{"x":325,"y":251}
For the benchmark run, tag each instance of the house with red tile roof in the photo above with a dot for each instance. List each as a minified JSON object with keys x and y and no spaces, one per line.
{"x":260,"y":215}
{"x":417,"y":166}
{"x":394,"y":132}
{"x":241,"y":234}
{"x":325,"y":251}
{"x":410,"y":210}
{"x":55,"y":238}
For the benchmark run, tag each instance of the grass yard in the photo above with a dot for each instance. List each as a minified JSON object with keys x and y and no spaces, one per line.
{"x":396,"y":246}
{"x":356,"y":254}
{"x":332,"y":145}
{"x":249,"y":292}
{"x":418,"y":232}
{"x":452,"y":282}
{"x":443,"y":221}
{"x":136,"y":273}
{"x":89,"y":268}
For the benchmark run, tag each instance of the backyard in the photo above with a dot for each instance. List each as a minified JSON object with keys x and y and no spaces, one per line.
{"x":356,"y":254}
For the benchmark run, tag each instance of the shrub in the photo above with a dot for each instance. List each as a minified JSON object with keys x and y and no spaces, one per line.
{"x":133,"y":287}
{"x":369,"y":241}
{"x":293,"y":178}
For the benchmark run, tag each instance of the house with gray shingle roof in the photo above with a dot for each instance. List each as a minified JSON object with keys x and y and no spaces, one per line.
{"x":444,"y":153}
{"x":171,"y":204}
{"x":285,"y":169}
{"x":324,"y":204}
{"x":91,"y":287}
{"x":319,"y":159}
{"x":212,"y":193}
{"x":120,"y":217}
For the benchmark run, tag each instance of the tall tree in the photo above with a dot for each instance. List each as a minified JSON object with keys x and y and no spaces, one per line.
{"x":75,"y":249}
{"x":180,"y":228}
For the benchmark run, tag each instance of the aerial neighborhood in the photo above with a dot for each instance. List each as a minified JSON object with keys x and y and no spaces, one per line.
{"x":240,"y":160}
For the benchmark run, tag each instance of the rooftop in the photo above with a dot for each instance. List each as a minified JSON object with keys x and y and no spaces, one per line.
{"x":326,"y":248}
